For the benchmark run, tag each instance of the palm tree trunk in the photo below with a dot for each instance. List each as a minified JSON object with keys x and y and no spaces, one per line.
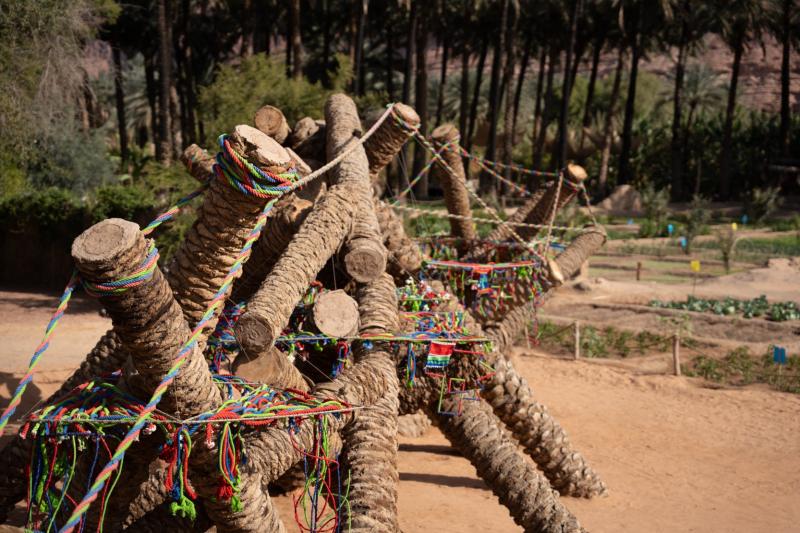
{"x":389,"y":29}
{"x":358,"y":78}
{"x":537,"y":110}
{"x":442,"y":84}
{"x":785,"y":78}
{"x":727,"y":129}
{"x":587,"y":108}
{"x":538,"y":152}
{"x":297,"y":40}
{"x":563,"y":134}
{"x":370,"y":442}
{"x":676,"y":155}
{"x":453,"y":185}
{"x":152,"y":97}
{"x":518,"y":485}
{"x":154,"y":331}
{"x":319,"y":237}
{"x":608,"y":128}
{"x":476,"y":91}
{"x":463,"y":108}
{"x":119,"y":98}
{"x":164,"y":145}
{"x":508,"y":112}
{"x":630,"y":103}
{"x":421,"y":102}
{"x":523,"y":68}
{"x":487,"y":183}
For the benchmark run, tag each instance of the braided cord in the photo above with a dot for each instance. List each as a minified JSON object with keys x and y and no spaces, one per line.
{"x":37,"y":354}
{"x":217,"y":302}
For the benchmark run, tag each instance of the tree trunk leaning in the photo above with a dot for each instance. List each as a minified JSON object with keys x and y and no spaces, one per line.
{"x":151,"y":324}
{"x":317,"y":239}
{"x":364,"y":253}
{"x":224,"y":221}
{"x":390,"y":137}
{"x":370,"y":442}
{"x":518,"y":485}
{"x":446,"y":139}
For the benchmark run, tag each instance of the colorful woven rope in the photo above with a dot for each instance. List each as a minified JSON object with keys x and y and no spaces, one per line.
{"x":64,"y":302}
{"x":217,"y":302}
{"x":251,"y":180}
{"x":16,"y":398}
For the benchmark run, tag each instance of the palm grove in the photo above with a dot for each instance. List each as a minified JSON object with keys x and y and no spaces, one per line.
{"x":98,"y":97}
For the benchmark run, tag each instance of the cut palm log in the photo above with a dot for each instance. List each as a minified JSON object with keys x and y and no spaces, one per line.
{"x":309,"y":250}
{"x":271,"y":121}
{"x":452,"y":178}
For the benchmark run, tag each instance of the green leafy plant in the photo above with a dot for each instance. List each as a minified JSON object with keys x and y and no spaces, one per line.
{"x":655,"y":203}
{"x":757,"y":307}
{"x":761,"y":203}
{"x":726,"y":240}
{"x":696,"y":221}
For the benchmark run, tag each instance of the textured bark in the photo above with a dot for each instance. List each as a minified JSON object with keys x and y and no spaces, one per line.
{"x":370,"y":442}
{"x":308,"y":139}
{"x":364,"y":254}
{"x":528,"y":496}
{"x":582,"y":247}
{"x":152,"y":327}
{"x":405,"y":258}
{"x":150,"y":324}
{"x":370,"y":452}
{"x":538,"y":209}
{"x":272,"y":452}
{"x":224,"y":221}
{"x":454,"y":185}
{"x":413,"y":425}
{"x":272,"y":368}
{"x":389,"y":138}
{"x":198,"y":162}
{"x":377,"y":303}
{"x":146,"y":317}
{"x":512,"y":399}
{"x":284,"y":221}
{"x":311,"y":247}
{"x":544,"y":440}
{"x":270,"y":120}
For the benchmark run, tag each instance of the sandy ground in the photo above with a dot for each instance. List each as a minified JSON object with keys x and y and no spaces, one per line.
{"x":677,"y":456}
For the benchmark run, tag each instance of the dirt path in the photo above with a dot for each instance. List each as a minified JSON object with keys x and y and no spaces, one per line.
{"x":676,"y":456}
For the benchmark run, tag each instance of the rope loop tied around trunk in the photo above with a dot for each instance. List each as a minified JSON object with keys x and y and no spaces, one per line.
{"x":250,"y":179}
{"x":136,"y":278}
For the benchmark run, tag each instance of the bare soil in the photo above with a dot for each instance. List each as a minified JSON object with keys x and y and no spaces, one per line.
{"x":677,"y":456}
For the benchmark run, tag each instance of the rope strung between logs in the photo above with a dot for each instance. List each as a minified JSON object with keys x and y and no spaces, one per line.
{"x":420,"y":175}
{"x":217,"y":301}
{"x":419,"y":211}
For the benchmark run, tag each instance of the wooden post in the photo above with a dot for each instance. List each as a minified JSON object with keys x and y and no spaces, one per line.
{"x":638,"y":270}
{"x":577,"y":328}
{"x":676,"y":354}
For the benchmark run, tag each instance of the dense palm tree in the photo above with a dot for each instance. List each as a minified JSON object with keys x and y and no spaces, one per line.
{"x":739,"y":22}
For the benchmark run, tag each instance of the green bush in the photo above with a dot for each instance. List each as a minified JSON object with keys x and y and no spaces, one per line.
{"x":121,"y":201}
{"x":655,"y":203}
{"x":51,"y":210}
{"x":761,"y":203}
{"x":239,"y":90}
{"x":697,"y":221}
